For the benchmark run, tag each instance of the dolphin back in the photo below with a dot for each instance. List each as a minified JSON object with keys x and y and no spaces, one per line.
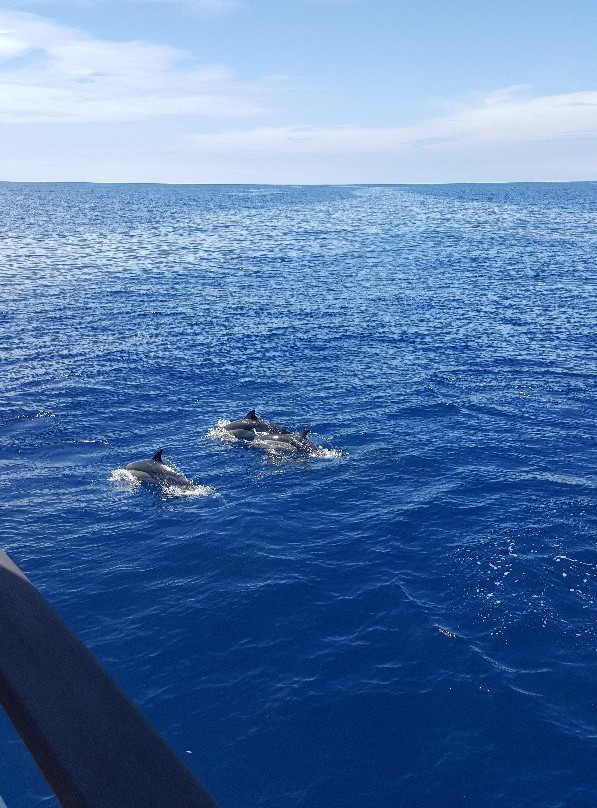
{"x":252,"y":422}
{"x":290,"y":442}
{"x":156,"y":471}
{"x":145,"y":466}
{"x":252,"y":427}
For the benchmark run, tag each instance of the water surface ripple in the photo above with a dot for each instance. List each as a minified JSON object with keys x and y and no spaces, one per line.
{"x":409,"y":621}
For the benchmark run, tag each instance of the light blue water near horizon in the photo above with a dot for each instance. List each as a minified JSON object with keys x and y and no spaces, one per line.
{"x":407,"y":622}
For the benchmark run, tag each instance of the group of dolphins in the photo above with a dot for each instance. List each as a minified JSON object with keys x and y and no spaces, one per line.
{"x":250,"y":428}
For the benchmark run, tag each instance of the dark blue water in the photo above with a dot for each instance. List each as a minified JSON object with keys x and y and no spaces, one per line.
{"x":407,"y":621}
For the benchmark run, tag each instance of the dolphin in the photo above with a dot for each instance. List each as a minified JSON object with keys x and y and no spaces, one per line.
{"x":254,"y":428}
{"x":297,"y":442}
{"x":252,"y":423}
{"x":156,"y":471}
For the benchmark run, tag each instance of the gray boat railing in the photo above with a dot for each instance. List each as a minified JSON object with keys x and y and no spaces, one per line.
{"x":92,"y":744}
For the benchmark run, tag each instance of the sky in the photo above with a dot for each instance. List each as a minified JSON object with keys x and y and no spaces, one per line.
{"x":298,"y":91}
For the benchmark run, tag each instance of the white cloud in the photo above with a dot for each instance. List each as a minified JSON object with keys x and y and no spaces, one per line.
{"x":10,"y":45}
{"x":64,"y":75}
{"x":53,"y":74}
{"x":504,"y":116}
{"x":510,"y":116}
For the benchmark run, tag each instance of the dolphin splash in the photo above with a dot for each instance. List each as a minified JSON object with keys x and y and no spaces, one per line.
{"x":253,"y":428}
{"x":156,"y":471}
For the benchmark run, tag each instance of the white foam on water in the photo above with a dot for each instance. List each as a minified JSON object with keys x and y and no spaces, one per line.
{"x":127,"y":481}
{"x":42,"y":414}
{"x":124,"y":479}
{"x":328,"y":454}
{"x":218,"y":432}
{"x":192,"y":491}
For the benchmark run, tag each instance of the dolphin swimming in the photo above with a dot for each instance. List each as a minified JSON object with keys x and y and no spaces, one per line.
{"x":251,"y":423}
{"x":297,"y":442}
{"x":269,"y":434}
{"x":156,"y":471}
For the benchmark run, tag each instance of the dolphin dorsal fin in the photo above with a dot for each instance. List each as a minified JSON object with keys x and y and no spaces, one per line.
{"x":251,"y":415}
{"x":303,"y":433}
{"x":158,"y":456}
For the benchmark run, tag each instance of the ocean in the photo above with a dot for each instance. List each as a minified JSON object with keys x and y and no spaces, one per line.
{"x":407,"y":618}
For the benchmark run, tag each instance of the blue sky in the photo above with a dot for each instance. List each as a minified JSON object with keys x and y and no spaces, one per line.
{"x":314,"y":91}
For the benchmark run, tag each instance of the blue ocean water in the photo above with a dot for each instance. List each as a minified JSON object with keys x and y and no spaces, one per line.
{"x":409,"y":620}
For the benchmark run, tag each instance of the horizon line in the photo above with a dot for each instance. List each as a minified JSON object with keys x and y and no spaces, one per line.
{"x":296,"y":184}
